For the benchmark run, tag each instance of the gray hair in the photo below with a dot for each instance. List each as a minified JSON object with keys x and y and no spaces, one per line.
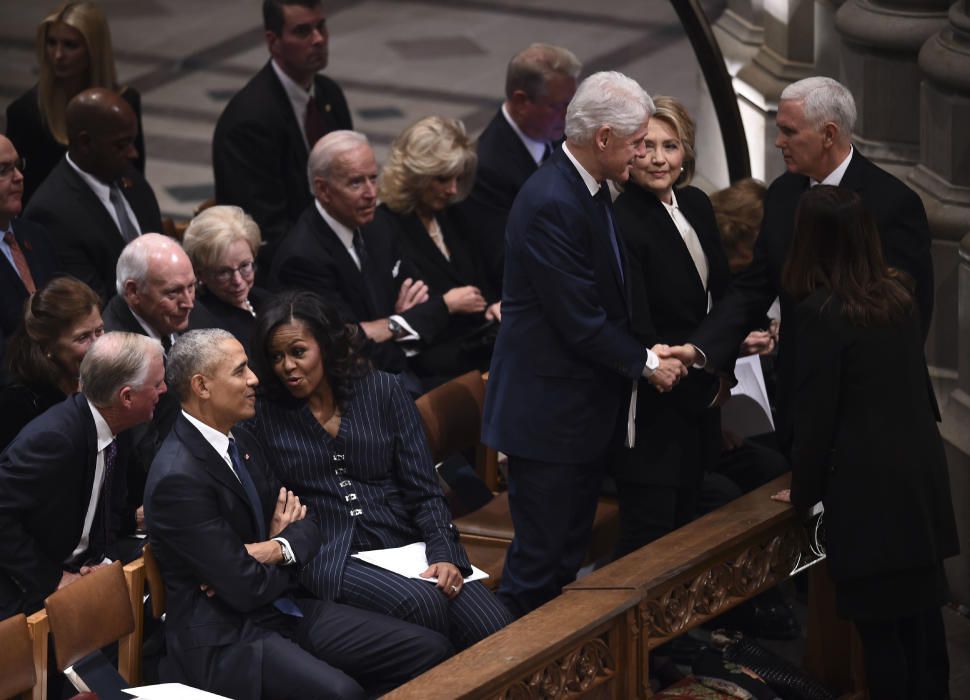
{"x":328,"y":149}
{"x":195,"y":352}
{"x":530,"y":69}
{"x":134,"y":259}
{"x":114,"y":361}
{"x":213,"y":230}
{"x":824,"y":100}
{"x":608,"y":99}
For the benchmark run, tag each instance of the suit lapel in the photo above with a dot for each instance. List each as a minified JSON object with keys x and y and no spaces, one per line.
{"x":336,"y":250}
{"x":425,"y":247}
{"x":297,"y":137}
{"x":89,"y":201}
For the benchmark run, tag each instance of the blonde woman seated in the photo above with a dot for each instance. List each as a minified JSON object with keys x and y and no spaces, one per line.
{"x":431,"y":167}
{"x":222,"y":243}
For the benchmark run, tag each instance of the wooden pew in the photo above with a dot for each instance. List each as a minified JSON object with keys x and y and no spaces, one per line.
{"x":636,"y":603}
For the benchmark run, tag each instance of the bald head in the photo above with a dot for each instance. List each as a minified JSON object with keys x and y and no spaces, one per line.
{"x":156,"y":280}
{"x":101,"y":131}
{"x":11,"y":183}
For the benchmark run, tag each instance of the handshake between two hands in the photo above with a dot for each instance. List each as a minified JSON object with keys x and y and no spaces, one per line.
{"x":674,"y":362}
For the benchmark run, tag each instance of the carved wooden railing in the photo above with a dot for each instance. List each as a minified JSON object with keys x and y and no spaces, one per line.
{"x":594,"y":640}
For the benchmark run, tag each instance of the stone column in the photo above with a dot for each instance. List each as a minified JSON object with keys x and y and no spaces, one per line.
{"x":787,"y":55}
{"x":942,"y":178}
{"x":881,"y":40}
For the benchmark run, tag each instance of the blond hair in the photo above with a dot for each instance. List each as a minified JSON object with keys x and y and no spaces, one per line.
{"x":88,"y":19}
{"x":431,"y":147}
{"x":213,"y":230}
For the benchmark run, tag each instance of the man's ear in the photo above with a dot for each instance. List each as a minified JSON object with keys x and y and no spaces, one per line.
{"x":124,"y":395}
{"x":602,"y":137}
{"x":199,"y":387}
{"x":830,"y":134}
{"x":130,"y":292}
{"x":272,"y":40}
{"x":321,"y":190}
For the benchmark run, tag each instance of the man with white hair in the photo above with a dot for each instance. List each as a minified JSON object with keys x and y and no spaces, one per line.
{"x":357,"y":268}
{"x":565,"y":358}
{"x":63,"y":478}
{"x":815,"y":120}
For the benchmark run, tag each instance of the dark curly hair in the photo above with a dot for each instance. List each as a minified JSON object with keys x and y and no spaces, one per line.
{"x":340,"y":344}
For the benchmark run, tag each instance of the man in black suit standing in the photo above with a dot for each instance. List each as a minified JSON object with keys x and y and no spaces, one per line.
{"x":265,"y":133}
{"x":62,"y":479}
{"x":230,"y":543}
{"x":333,"y":251}
{"x":29,"y":256}
{"x":539,"y":84}
{"x":95,"y":200}
{"x":815,"y":120}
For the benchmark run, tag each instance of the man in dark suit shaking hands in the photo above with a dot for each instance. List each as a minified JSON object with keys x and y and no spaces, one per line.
{"x":565,"y":359}
{"x":230,"y":542}
{"x":815,"y":120}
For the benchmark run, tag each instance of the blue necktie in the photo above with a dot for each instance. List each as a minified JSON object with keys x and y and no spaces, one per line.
{"x":285,"y":605}
{"x":603,"y":197}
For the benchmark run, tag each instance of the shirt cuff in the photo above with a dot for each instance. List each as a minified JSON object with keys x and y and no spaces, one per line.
{"x":411,"y":334}
{"x":701,"y":361}
{"x":652,"y":363}
{"x":288,"y":556}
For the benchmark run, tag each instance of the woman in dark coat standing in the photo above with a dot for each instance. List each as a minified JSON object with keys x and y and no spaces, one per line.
{"x":677,"y":271}
{"x":866,"y":444}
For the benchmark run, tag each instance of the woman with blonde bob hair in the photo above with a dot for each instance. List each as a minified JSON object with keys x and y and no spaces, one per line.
{"x":222,"y":242}
{"x":431,"y":167}
{"x":74,"y":54}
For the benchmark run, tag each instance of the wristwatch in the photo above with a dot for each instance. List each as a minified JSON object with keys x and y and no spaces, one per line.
{"x":396,"y":329}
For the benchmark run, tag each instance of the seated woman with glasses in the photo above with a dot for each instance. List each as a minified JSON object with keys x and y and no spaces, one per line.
{"x":222,"y":243}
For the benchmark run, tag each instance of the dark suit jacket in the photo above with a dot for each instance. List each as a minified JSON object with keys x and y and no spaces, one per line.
{"x":34,"y":141}
{"x":46,"y":475}
{"x":504,"y":164}
{"x":866,"y":443}
{"x":231,"y":318}
{"x":669,"y":302}
{"x":259,"y":156}
{"x":199,"y":521}
{"x":565,"y":355}
{"x":39,"y":252}
{"x":905,"y":235}
{"x":86,"y":238}
{"x":313,"y":258}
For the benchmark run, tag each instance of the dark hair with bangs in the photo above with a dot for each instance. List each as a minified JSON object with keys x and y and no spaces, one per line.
{"x":340,"y":344}
{"x":837,"y":247}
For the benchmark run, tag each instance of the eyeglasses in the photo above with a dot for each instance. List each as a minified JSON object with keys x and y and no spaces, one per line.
{"x":225,"y":274}
{"x":6,"y":169}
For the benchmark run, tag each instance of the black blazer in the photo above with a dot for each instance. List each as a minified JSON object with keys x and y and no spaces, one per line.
{"x":231,"y":318}
{"x":312,"y":257}
{"x":259,"y":156}
{"x":86,"y":238}
{"x":34,"y":141}
{"x":669,"y":302}
{"x":199,"y":521}
{"x":504,"y":164}
{"x":867,"y":445}
{"x":39,"y":253}
{"x":46,"y":475}
{"x":905,"y":236}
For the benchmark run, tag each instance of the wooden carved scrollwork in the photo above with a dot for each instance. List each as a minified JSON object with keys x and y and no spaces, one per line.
{"x":672,"y":612}
{"x":580,"y":670}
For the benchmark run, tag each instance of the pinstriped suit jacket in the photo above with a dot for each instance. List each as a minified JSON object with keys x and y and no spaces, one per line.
{"x":382,"y":493}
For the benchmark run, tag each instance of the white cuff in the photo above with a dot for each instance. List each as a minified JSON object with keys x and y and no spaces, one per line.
{"x":652,"y":363}
{"x":288,"y":556}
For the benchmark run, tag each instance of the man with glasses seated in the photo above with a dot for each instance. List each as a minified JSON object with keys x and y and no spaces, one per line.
{"x":28,"y":256}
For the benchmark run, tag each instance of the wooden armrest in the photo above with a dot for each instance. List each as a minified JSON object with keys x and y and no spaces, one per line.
{"x":40,"y":630}
{"x":130,"y":646}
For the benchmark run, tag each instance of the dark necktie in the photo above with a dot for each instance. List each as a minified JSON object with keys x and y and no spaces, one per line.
{"x":360,"y":249}
{"x":284,"y":605}
{"x":313,"y":124}
{"x":101,"y":525}
{"x":128,"y":229}
{"x":605,"y":201}
{"x":546,"y":152}
{"x":19,"y":261}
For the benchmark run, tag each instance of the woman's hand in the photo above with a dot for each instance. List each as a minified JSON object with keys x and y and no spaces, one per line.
{"x":464,"y":300}
{"x":449,"y":578}
{"x":494,"y":312}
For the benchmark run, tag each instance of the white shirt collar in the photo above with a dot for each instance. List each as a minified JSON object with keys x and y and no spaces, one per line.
{"x":673,"y":202}
{"x":298,"y":96}
{"x":592,"y":184}
{"x":536,"y":148}
{"x":834,"y":178}
{"x":105,"y":436}
{"x":219,"y":441}
{"x":99,"y":188}
{"x":344,"y":233}
{"x":149,"y":331}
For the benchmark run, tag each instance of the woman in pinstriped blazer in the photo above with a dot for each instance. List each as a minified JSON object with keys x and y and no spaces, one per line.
{"x":348,"y":440}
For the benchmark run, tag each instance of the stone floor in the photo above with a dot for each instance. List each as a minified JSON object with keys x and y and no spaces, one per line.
{"x":397,"y":60}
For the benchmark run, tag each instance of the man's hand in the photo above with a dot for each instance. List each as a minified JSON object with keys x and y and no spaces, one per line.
{"x":464,"y":300}
{"x":494,"y":312}
{"x":377,"y":331}
{"x":757,"y":343}
{"x":783,"y":496}
{"x":288,"y":510}
{"x":67,"y":578}
{"x":268,"y":552}
{"x":412,"y":293}
{"x":207,"y":589}
{"x":140,"y":519}
{"x":448,"y":575}
{"x":723,"y":393}
{"x":687,"y":354}
{"x":667,"y":374}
